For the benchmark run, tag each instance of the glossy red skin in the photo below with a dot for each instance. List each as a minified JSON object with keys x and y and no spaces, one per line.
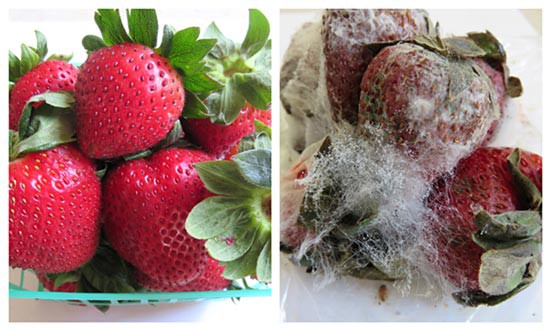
{"x":127,"y":100}
{"x":210,"y":279}
{"x":55,"y":201}
{"x":52,"y":75}
{"x":146,"y":203}
{"x":482,"y":180}
{"x":346,"y":34}
{"x":50,"y":285}
{"x":219,"y":139}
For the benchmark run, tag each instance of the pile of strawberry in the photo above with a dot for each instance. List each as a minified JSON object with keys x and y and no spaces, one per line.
{"x":147,"y":167}
{"x":390,"y":75}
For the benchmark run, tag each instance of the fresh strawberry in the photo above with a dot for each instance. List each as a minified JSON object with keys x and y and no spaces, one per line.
{"x":146,"y":203}
{"x":33,"y":74}
{"x":246,"y":96}
{"x":50,"y":284}
{"x":54,"y":210}
{"x":484,"y":182}
{"x":127,"y":99}
{"x":52,"y":75}
{"x":130,"y":92}
{"x":434,"y":107}
{"x":219,"y":139}
{"x":346,"y":34}
{"x":210,"y":279}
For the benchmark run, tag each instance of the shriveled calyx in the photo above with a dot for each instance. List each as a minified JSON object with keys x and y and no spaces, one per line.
{"x":488,"y":225}
{"x":511,"y":242}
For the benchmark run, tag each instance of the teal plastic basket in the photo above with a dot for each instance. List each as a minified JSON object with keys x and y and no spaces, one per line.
{"x":22,"y":290}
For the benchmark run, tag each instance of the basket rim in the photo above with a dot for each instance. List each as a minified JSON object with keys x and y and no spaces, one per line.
{"x":19,"y":293}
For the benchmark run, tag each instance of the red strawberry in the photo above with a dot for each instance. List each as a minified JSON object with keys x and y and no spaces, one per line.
{"x":54,"y":210}
{"x":50,"y":285}
{"x":434,"y":107}
{"x":210,"y":279}
{"x":127,"y":99}
{"x":482,"y":181}
{"x":146,"y":203}
{"x":218,"y":139}
{"x":346,"y":35}
{"x":52,"y":75}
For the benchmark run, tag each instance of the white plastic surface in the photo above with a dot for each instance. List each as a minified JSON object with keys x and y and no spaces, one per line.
{"x":358,"y":300}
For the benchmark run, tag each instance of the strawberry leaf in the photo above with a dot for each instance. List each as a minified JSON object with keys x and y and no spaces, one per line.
{"x":247,"y":264}
{"x":55,"y":99}
{"x":62,"y":278}
{"x":54,"y":127}
{"x":255,"y":87}
{"x":257,"y":34}
{"x":200,"y":83}
{"x":193,"y":108}
{"x":92,"y":43}
{"x":223,"y":46}
{"x":243,"y":69}
{"x":136,"y":155}
{"x":143,"y":26}
{"x":255,"y":141}
{"x":463,"y":47}
{"x":260,"y":127}
{"x":187,"y":50}
{"x":224,"y":106}
{"x":186,"y":54}
{"x":260,"y":139}
{"x":528,"y":190}
{"x":166,"y":43}
{"x":492,"y":48}
{"x":108,"y":272}
{"x":110,"y":24}
{"x":243,"y":266}
{"x":41,"y":45}
{"x":508,"y":226}
{"x":263,"y":268}
{"x":263,"y":58}
{"x":502,"y":270}
{"x":60,"y":57}
{"x":232,"y":244}
{"x":255,"y":166}
{"x":215,"y":215}
{"x":14,"y":67}
{"x":224,"y":178}
{"x":29,"y":59}
{"x":514,"y":87}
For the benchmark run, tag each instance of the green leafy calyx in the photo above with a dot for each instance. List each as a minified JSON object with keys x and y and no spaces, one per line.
{"x":236,"y":224}
{"x":105,"y":272}
{"x":49,"y":125}
{"x":183,"y":49}
{"x":512,"y":242}
{"x":242,"y":68}
{"x":30,"y":58}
